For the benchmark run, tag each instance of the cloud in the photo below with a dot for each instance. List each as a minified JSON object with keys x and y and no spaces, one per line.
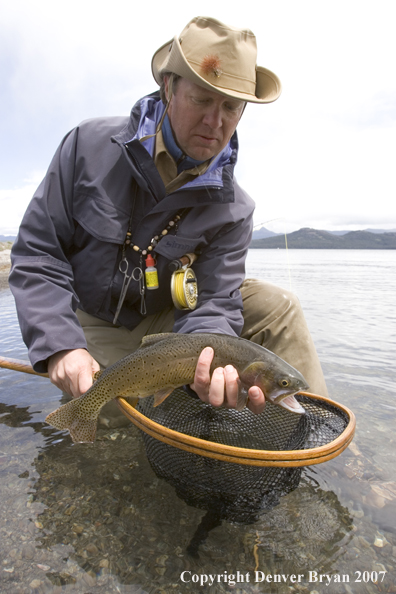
{"x":322,"y":153}
{"x":317,"y":170}
{"x":14,"y":202}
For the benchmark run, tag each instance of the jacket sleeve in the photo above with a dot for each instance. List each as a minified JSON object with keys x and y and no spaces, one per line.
{"x":41,"y":278}
{"x":220,"y":271}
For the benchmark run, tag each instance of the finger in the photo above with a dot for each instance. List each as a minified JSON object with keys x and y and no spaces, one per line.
{"x":71,"y":371}
{"x":201,"y":382}
{"x":95,"y":366}
{"x":57,"y":376}
{"x":231,"y":385}
{"x":256,"y":402}
{"x":216,"y":389}
{"x":70,"y":381}
{"x":84,"y":381}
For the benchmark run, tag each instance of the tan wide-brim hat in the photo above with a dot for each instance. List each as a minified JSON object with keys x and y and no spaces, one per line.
{"x":219,"y":58}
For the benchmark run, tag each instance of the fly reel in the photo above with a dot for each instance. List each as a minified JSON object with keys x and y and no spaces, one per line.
{"x":184,"y":289}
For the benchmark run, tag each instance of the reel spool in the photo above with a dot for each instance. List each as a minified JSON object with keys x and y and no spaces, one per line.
{"x":184,"y":289}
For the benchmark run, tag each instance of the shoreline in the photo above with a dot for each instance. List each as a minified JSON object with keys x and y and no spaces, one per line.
{"x":4,"y":279}
{"x":5,"y":265}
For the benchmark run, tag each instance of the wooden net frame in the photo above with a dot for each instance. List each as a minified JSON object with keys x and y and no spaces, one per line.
{"x":250,"y":457}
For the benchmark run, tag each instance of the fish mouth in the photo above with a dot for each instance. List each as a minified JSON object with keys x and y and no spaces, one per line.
{"x":291,"y":404}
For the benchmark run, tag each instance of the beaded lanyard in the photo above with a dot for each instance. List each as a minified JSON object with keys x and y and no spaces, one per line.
{"x":137,"y":273}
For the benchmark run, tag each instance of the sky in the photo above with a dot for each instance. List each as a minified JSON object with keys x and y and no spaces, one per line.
{"x":323,"y":155}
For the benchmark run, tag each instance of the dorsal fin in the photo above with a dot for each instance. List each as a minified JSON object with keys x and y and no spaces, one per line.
{"x":154,"y":338}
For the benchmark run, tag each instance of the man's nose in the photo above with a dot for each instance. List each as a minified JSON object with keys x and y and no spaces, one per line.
{"x":212,"y":117}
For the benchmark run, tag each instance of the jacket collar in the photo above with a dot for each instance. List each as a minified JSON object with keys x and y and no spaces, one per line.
{"x":143,"y":122}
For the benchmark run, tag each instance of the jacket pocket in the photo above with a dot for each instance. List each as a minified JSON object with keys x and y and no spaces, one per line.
{"x":100,"y":218}
{"x":175,"y":246}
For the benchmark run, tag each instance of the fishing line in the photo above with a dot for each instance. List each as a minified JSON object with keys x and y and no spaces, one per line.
{"x":288,"y":261}
{"x":265,"y":222}
{"x":184,"y":289}
{"x":286,"y":246}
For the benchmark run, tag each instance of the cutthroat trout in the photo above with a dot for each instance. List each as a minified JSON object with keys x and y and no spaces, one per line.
{"x":167,"y":361}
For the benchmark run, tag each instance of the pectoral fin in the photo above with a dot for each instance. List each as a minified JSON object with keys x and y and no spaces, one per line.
{"x":250,"y":374}
{"x":242,"y":396}
{"x":248,"y":378}
{"x":161,"y":395}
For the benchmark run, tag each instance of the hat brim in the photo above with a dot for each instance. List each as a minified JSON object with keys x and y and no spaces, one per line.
{"x":268,"y":85}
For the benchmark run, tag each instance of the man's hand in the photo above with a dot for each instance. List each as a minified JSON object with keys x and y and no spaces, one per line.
{"x":223,"y":387}
{"x":72,"y":371}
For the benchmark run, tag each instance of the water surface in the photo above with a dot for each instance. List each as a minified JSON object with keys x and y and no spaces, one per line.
{"x":96,"y":519}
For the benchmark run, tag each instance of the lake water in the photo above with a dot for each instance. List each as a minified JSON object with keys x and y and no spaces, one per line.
{"x":93,"y":519}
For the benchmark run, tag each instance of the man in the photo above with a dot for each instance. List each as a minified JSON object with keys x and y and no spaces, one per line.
{"x":161,"y":184}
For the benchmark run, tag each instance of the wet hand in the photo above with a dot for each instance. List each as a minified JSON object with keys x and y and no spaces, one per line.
{"x":72,"y":371}
{"x":223,"y":387}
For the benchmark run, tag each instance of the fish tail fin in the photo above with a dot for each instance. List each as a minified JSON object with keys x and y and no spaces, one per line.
{"x":68,"y":417}
{"x":83,"y":430}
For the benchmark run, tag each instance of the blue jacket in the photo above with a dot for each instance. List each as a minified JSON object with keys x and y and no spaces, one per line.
{"x":68,"y":248}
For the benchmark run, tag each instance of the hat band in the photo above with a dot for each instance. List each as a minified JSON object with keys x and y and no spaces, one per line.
{"x":226,"y":81}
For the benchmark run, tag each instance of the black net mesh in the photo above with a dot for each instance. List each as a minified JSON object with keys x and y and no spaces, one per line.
{"x":236,"y":492}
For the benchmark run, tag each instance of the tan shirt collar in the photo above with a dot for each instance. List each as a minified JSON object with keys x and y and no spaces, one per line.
{"x":167,"y":167}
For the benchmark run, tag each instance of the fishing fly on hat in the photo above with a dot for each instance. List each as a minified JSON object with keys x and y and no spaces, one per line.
{"x":219,"y":58}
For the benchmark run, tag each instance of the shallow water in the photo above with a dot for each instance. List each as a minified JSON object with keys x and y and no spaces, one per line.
{"x":95,"y":519}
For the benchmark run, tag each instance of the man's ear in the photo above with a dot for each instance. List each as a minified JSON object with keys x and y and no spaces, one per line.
{"x":168,"y":87}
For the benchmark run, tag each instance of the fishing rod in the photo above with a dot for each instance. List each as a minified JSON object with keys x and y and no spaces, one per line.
{"x":265,"y":222}
{"x":18,"y":365}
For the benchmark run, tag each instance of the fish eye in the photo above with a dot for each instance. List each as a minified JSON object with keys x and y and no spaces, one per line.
{"x":284,"y":383}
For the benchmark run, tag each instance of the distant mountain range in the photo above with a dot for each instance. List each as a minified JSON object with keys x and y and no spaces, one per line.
{"x":307,"y":238}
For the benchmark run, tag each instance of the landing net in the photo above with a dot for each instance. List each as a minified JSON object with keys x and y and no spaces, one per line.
{"x":236,"y":462}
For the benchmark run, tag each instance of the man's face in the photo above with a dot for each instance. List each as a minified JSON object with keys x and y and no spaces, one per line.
{"x":202,"y":121}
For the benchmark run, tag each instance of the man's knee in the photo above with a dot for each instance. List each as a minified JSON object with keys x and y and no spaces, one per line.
{"x":264,"y":300}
